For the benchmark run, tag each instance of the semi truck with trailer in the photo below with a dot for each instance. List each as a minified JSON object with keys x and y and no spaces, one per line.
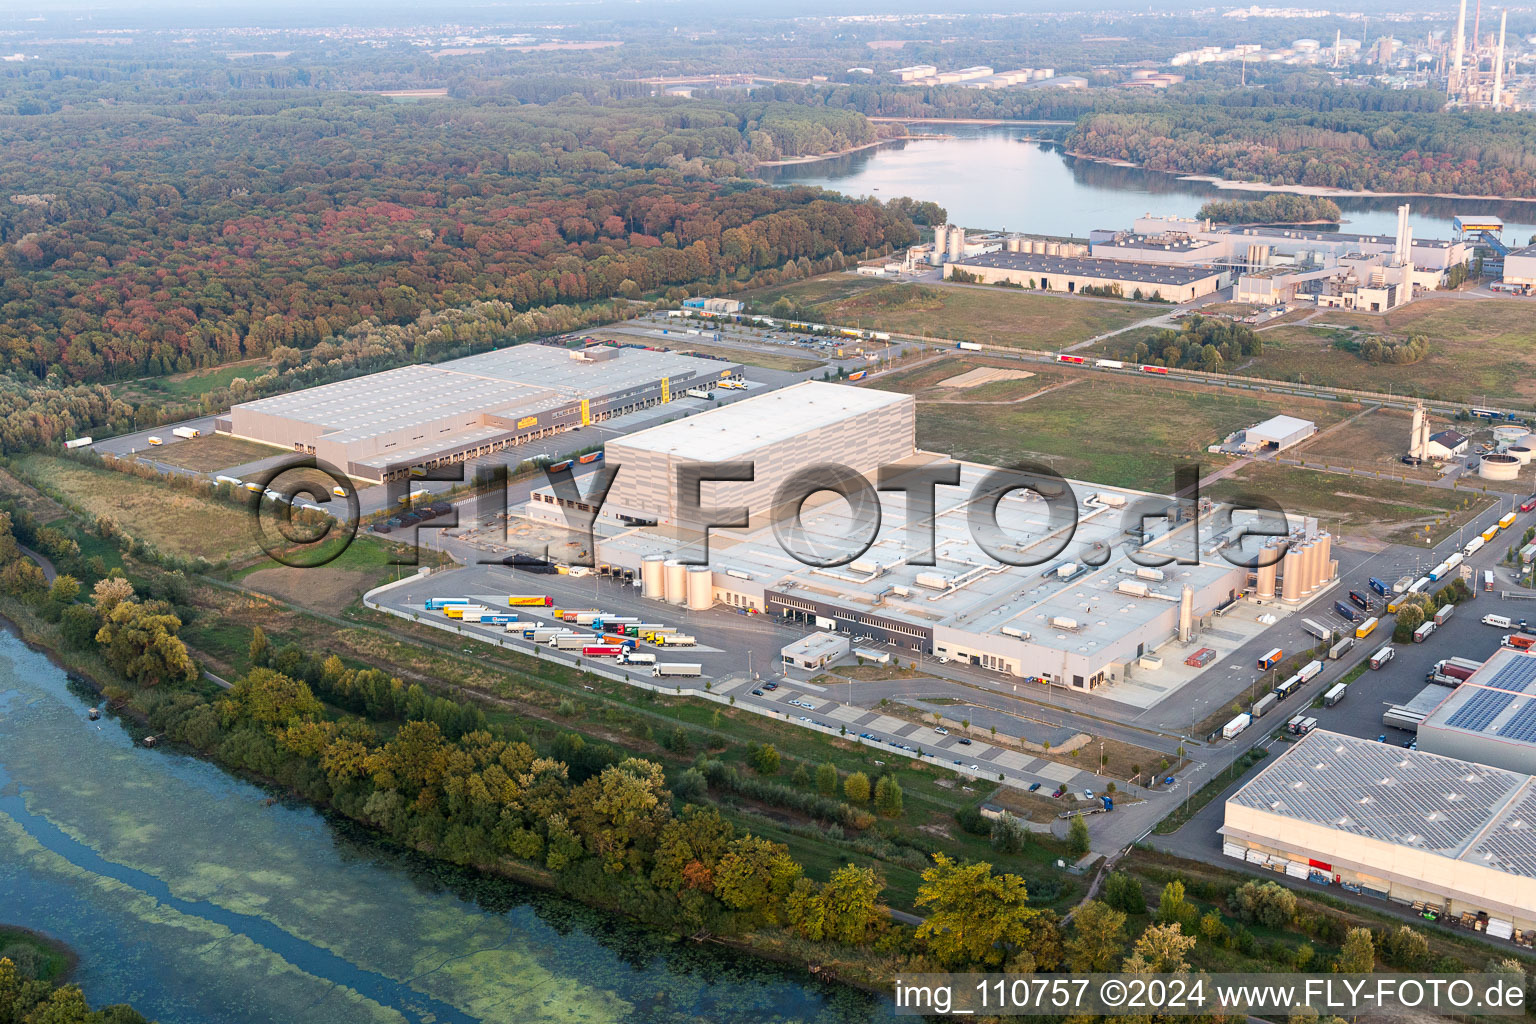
{"x":530,"y":600}
{"x":676,"y":668}
{"x":79,"y":442}
{"x":634,"y":657}
{"x":1444,"y":614}
{"x":1378,"y":586}
{"x":186,"y":433}
{"x":1271,"y":659}
{"x":1323,"y":633}
{"x":1422,"y":633}
{"x":1237,"y":725}
{"x":1383,"y":656}
{"x":1348,"y":611}
{"x":1334,"y":695}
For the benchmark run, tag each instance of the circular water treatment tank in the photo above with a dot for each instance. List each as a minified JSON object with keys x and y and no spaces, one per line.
{"x":1510,"y":433}
{"x":1521,"y":454}
{"x":1499,"y":467}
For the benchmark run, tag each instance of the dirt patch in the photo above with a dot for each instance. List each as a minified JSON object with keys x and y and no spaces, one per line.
{"x":983,"y":375}
{"x":324,"y":589}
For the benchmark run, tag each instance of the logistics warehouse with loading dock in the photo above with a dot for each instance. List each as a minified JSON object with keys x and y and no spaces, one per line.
{"x":1080,"y":613}
{"x":1403,"y":825}
{"x":380,"y":426}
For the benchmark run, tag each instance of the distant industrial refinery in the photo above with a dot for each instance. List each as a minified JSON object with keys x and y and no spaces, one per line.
{"x":1181,"y":259}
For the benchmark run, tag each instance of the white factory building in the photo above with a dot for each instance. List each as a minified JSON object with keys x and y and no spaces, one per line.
{"x":1276,"y":264}
{"x":1520,"y":269}
{"x":1278,"y":433}
{"x":1113,"y":574}
{"x":1402,"y":825}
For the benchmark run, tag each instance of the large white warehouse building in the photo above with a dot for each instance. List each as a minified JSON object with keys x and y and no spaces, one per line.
{"x":1403,"y":825}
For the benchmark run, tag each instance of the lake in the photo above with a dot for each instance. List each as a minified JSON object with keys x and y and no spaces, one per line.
{"x":997,"y":178}
{"x":201,"y":900}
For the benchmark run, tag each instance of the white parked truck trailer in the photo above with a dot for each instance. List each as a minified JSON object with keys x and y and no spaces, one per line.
{"x":186,"y":433}
{"x":677,"y":668}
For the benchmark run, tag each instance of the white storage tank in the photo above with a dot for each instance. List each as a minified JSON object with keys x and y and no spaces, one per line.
{"x":1499,"y":467}
{"x":676,"y":574}
{"x":653,"y":583}
{"x":1521,"y":453}
{"x":701,"y":588}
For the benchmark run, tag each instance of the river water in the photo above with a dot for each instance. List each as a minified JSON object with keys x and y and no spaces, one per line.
{"x":996,"y":178}
{"x":189,"y":893}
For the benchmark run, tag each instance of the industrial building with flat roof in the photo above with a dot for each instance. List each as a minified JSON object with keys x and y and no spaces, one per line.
{"x":1279,"y":433}
{"x":1131,"y":571}
{"x":380,"y":426}
{"x":1490,"y":718}
{"x":778,"y":433}
{"x":1404,"y":825}
{"x":1175,"y":282}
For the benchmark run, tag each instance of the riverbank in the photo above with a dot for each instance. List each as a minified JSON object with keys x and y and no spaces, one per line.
{"x":863,"y":969}
{"x":55,"y":960}
{"x":1316,"y":191}
{"x":798,"y":160}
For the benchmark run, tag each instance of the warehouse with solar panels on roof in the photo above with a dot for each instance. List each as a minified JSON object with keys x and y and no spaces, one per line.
{"x":380,"y":426}
{"x":1416,"y":828}
{"x":1490,"y":718}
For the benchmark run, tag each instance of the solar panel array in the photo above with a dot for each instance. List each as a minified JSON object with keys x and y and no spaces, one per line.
{"x":1517,"y":675}
{"x":1407,"y":798}
{"x":1479,"y":708}
{"x":1511,"y":846}
{"x":1520,"y":726}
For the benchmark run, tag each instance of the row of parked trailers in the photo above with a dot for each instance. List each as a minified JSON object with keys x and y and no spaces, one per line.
{"x":613,"y":636}
{"x":1107,"y":364}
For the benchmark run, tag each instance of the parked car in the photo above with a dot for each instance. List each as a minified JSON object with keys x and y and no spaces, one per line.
{"x":770,"y":686}
{"x":757,"y":693}
{"x":964,"y":742}
{"x":1032,"y":786}
{"x":1087,"y":794}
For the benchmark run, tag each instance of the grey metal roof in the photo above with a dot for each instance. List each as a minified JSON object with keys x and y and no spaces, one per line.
{"x":1080,"y":266}
{"x":515,"y":381}
{"x":1442,"y":805}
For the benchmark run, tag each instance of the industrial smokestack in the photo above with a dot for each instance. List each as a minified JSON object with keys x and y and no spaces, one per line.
{"x":1338,"y":37}
{"x":1403,"y":250}
{"x":1186,"y":614}
{"x":1459,"y":52}
{"x":1498,"y":61}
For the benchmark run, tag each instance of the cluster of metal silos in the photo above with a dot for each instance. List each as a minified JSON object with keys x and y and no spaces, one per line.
{"x":664,"y":579}
{"x":956,"y":242}
{"x":1307,"y":565}
{"x":1269,"y":569}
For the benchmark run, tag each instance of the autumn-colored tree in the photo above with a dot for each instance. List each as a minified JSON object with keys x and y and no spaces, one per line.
{"x":756,"y":875}
{"x":856,"y":788}
{"x":1097,"y":940}
{"x":975,"y":918}
{"x":140,"y":641}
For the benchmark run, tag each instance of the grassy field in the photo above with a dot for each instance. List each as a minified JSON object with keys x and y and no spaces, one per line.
{"x":924,"y":380}
{"x":172,"y":520}
{"x":992,"y":316}
{"x":1375,"y":441}
{"x":1105,"y":430}
{"x":1385,"y":509}
{"x":212,"y":452}
{"x":1480,"y":350}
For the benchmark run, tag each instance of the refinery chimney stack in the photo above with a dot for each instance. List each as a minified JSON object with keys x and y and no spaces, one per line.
{"x":1498,"y":61}
{"x":1453,"y":86}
